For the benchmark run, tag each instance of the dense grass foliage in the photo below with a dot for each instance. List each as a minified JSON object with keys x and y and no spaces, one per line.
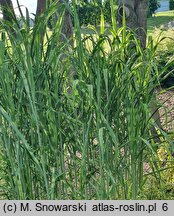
{"x":75,"y":122}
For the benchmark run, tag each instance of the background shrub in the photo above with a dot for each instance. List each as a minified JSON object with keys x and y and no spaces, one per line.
{"x":153,"y":6}
{"x":171,"y":4}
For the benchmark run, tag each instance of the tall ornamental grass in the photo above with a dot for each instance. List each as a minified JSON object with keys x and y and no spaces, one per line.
{"x":75,"y":122}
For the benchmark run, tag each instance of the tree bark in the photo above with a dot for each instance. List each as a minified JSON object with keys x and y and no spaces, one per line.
{"x":67,"y":27}
{"x":7,"y":10}
{"x":136,"y":17}
{"x":41,"y":6}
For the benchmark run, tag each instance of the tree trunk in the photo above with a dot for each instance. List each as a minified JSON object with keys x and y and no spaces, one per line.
{"x":8,"y":11}
{"x":67,"y":27}
{"x":41,"y":6}
{"x":136,"y":17}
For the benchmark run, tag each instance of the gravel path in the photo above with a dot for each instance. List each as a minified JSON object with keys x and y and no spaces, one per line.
{"x":167,"y":100}
{"x":168,"y":26}
{"x":167,"y":110}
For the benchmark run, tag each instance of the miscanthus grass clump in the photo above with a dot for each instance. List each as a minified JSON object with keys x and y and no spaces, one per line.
{"x":75,"y":122}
